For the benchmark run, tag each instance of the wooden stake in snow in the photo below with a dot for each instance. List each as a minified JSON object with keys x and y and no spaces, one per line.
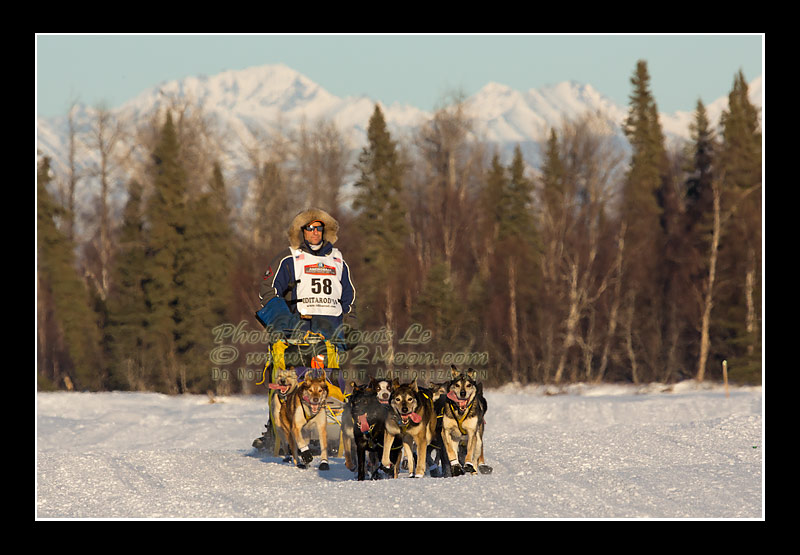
{"x":725,"y":376}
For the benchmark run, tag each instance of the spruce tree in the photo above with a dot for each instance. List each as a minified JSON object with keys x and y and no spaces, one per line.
{"x":739,"y":309}
{"x":380,"y":222}
{"x":702,"y":151}
{"x":648,"y":158}
{"x":553,"y":185}
{"x":493,"y":197}
{"x":642,"y":211}
{"x":740,"y":154}
{"x":71,"y":308}
{"x":206,"y":281}
{"x":701,"y":170}
{"x":131,"y":362}
{"x":438,"y":309}
{"x":165,"y":279}
{"x":518,"y":222}
{"x":701,"y":235}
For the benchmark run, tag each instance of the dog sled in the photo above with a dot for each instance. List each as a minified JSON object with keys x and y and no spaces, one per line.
{"x":310,"y":353}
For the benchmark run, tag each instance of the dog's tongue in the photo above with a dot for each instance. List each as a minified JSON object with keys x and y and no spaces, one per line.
{"x":282,"y":388}
{"x":461,"y":403}
{"x":362,"y":423}
{"x":415,"y":418}
{"x":314,"y":406}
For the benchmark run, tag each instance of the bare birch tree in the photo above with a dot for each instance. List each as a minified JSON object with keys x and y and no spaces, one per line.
{"x":104,"y":139}
{"x":591,"y":166}
{"x":708,"y":299}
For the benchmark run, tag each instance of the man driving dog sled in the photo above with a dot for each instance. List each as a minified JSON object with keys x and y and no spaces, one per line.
{"x":307,"y":287}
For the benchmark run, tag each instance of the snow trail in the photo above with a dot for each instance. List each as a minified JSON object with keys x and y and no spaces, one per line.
{"x":592,"y":452}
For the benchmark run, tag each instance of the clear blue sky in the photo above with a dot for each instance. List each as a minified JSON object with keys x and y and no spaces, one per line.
{"x":411,"y":69}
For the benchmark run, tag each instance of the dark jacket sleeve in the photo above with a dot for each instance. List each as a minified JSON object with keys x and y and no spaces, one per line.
{"x":278,"y":280}
{"x":276,"y":284}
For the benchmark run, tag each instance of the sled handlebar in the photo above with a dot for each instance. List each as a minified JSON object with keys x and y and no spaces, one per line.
{"x":293,"y":338}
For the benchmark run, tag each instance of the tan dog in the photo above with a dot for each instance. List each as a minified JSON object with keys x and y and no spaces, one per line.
{"x":411,"y":417}
{"x":284,"y":385}
{"x":304,"y":410}
{"x":462,"y":416}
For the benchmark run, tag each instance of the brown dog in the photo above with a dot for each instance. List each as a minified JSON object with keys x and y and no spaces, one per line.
{"x":280,"y":390}
{"x":304,"y":410}
{"x":412,"y":418}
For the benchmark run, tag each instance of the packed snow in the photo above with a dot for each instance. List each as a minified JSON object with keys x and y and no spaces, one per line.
{"x":581,"y":452}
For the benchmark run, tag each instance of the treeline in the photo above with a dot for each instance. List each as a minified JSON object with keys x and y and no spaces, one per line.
{"x":601,"y":265}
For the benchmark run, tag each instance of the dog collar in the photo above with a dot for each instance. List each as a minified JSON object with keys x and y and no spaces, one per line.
{"x":462,"y":411}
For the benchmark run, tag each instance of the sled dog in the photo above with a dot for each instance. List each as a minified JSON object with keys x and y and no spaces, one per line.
{"x":284,"y":385}
{"x":411,"y":418}
{"x":438,"y":464}
{"x":383,"y":389}
{"x":305,"y":410}
{"x":363,"y":425}
{"x":463,"y":410}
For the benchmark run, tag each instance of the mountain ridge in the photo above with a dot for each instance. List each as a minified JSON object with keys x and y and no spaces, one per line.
{"x":270,"y":98}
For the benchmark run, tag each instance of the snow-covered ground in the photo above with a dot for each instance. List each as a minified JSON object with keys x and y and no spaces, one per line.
{"x":590,"y":452}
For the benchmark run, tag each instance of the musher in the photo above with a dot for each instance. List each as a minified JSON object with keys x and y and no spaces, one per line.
{"x":308,"y":286}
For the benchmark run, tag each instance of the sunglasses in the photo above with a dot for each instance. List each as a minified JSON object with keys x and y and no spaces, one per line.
{"x":314,"y":227}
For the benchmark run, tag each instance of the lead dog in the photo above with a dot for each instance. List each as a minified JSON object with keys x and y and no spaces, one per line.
{"x":284,"y":385}
{"x":463,"y":411}
{"x":305,"y":410}
{"x":411,"y":417}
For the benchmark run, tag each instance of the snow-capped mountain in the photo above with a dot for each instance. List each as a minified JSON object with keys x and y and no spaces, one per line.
{"x":263,"y":99}
{"x":510,"y":116}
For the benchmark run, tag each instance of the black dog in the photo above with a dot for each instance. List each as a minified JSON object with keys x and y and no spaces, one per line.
{"x":363,"y":423}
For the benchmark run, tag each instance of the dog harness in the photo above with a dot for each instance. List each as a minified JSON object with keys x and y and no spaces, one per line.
{"x":306,"y":402}
{"x":457,"y":407}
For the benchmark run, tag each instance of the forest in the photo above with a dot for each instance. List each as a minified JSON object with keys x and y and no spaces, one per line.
{"x":602,"y":265}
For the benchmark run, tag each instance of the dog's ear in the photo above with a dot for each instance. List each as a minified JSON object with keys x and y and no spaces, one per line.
{"x":454,"y":372}
{"x":472,"y":374}
{"x":308,"y":376}
{"x":395,"y":383}
{"x":414,"y":385}
{"x":297,"y":371}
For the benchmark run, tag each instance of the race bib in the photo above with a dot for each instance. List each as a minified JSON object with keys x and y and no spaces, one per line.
{"x":319,"y":283}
